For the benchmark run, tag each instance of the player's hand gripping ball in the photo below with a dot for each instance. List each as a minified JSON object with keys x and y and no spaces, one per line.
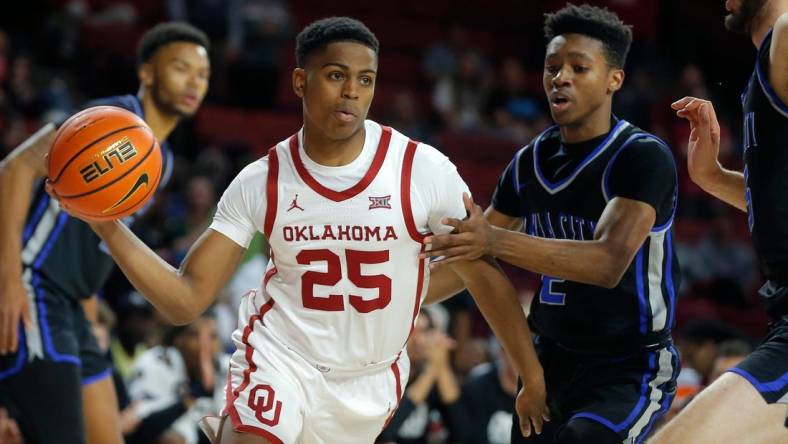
{"x":104,"y":164}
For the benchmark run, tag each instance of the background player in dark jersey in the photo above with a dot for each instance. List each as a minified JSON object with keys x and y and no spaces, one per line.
{"x":748,"y":404}
{"x":596,"y":198}
{"x":50,"y":366}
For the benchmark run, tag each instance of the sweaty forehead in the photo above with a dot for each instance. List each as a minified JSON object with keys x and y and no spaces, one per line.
{"x":575,"y":46}
{"x":350,"y":54}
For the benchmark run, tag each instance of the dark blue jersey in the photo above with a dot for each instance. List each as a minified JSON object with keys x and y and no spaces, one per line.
{"x":62,"y":254}
{"x":766,"y":176}
{"x":560,"y":191}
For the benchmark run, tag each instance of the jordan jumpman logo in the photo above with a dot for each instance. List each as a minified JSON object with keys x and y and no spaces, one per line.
{"x":294,"y":204}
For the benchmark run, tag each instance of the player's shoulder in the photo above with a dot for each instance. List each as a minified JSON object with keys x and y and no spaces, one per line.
{"x":127,"y":101}
{"x":643,"y":147}
{"x":644,"y":141}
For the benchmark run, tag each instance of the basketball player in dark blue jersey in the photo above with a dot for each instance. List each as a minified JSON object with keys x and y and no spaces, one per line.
{"x":53,"y":378}
{"x":595,"y":197}
{"x":750,"y":402}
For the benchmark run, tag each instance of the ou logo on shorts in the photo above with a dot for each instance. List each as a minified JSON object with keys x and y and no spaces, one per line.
{"x":261,"y":399}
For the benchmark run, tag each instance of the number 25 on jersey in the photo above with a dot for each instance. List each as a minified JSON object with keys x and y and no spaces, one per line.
{"x":333,"y":275}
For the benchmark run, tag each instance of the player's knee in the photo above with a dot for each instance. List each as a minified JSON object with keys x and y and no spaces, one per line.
{"x":585,"y":431}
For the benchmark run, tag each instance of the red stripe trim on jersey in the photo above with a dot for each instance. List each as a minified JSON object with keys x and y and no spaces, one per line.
{"x":268,"y":275}
{"x":232,"y":395}
{"x":249,"y":350}
{"x":407,"y":210}
{"x":419,"y":289}
{"x":339,"y":196}
{"x":395,"y":370}
{"x":271,"y":192}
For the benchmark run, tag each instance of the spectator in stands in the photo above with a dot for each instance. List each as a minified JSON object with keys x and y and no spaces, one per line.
{"x":405,"y":115}
{"x":23,"y":90}
{"x":102,"y":327}
{"x":460,"y":99}
{"x":441,"y":58}
{"x":200,"y":206}
{"x":698,"y":341}
{"x":487,"y":402}
{"x":258,"y":29}
{"x":136,"y":325}
{"x":178,"y":383}
{"x":432,"y":387}
{"x":211,"y":16}
{"x":722,"y":260}
{"x":729,"y":354}
{"x":510,"y":105}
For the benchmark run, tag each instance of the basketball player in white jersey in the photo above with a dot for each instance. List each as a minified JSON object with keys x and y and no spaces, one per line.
{"x":345,"y":204}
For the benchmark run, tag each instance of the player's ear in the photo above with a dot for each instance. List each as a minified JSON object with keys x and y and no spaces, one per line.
{"x":145,"y":75}
{"x":299,"y":80}
{"x":615,"y":80}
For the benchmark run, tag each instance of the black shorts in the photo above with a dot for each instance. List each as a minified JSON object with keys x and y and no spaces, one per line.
{"x":766,"y":368}
{"x":623,"y":397}
{"x":60,"y":333}
{"x":40,"y":384}
{"x":45,"y":399}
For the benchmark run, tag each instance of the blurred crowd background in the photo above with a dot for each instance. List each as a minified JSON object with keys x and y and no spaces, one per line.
{"x":464,"y":77}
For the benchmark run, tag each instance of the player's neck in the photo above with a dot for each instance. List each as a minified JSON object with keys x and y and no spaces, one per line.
{"x":328,"y":152}
{"x":159,"y":122}
{"x":766,"y":20}
{"x":593,"y":126}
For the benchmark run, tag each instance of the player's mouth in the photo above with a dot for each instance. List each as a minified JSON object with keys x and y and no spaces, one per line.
{"x":345,"y":115}
{"x":559,"y":102}
{"x":190,"y":100}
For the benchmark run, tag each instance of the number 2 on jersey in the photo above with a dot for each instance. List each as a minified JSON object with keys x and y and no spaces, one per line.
{"x":333,"y":274}
{"x":548,"y":295}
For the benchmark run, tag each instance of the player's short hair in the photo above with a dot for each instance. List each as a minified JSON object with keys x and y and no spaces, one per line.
{"x":166,"y":33}
{"x":594,"y":22}
{"x":320,"y":33}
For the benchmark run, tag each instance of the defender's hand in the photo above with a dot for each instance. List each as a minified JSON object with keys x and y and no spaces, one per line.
{"x":532,"y":408}
{"x":13,"y":306}
{"x":703,"y":147}
{"x":472,"y":238}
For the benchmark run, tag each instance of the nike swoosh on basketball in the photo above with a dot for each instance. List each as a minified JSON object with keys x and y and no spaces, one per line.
{"x":143,"y":180}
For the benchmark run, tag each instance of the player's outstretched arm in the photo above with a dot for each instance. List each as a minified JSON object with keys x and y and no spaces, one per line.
{"x":778,"y":61}
{"x":180,"y":294}
{"x":703,"y":149}
{"x":621,"y":231}
{"x":497,"y":300}
{"x":18,"y":173}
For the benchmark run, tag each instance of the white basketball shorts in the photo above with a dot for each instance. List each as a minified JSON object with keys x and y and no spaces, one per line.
{"x":276,"y":393}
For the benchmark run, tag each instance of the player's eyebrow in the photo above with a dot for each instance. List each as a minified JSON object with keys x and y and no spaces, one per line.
{"x":346,"y":67}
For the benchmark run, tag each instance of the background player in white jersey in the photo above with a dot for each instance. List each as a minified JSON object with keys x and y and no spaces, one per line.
{"x":320,"y":358}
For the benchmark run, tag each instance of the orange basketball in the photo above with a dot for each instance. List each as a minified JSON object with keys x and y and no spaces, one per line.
{"x":105,"y":163}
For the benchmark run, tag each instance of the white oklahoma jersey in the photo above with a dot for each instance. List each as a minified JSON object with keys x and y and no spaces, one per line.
{"x":345,"y":282}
